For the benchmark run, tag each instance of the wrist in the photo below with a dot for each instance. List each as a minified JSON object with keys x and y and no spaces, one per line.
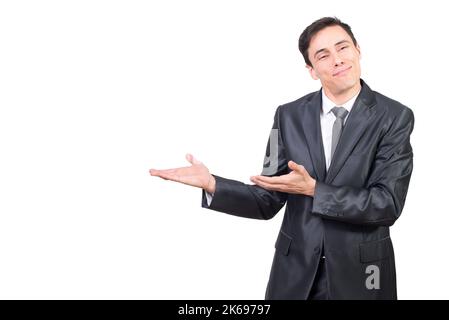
{"x":312,"y":188}
{"x":211,"y":185}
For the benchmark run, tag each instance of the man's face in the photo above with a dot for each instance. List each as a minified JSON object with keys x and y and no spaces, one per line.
{"x":335,"y":60}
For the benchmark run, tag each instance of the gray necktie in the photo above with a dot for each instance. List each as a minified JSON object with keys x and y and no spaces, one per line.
{"x":340,"y":113}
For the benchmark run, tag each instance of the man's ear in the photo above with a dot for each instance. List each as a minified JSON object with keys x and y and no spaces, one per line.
{"x":312,"y":72}
{"x":359,"y":50}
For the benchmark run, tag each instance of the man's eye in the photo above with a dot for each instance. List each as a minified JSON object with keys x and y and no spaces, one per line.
{"x":344,"y":47}
{"x":322,"y":57}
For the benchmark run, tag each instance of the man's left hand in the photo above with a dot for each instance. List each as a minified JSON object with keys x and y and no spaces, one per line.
{"x":298,"y":181}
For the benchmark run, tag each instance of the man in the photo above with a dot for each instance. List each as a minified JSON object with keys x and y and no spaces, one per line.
{"x":341,"y":159}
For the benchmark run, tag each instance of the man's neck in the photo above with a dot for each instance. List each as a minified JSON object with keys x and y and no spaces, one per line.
{"x":344,"y":96}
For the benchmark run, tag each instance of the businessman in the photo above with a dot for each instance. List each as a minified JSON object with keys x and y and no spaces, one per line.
{"x":341,"y":159}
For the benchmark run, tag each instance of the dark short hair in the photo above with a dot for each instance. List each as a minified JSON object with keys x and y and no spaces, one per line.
{"x":314,"y":28}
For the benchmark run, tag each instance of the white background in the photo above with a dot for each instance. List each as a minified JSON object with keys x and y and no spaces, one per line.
{"x":95,"y":93}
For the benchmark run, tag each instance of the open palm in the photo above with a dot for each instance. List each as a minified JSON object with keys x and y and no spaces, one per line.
{"x":196,"y":175}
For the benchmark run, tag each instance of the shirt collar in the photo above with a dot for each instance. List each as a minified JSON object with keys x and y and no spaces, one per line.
{"x":328,"y":104}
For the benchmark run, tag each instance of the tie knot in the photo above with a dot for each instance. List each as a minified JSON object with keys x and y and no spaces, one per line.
{"x":339,"y":112}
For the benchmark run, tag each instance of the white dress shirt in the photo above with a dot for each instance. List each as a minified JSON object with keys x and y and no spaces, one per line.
{"x":327,"y":119}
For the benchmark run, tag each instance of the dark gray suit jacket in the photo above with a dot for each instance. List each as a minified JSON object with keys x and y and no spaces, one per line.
{"x":355,"y":202}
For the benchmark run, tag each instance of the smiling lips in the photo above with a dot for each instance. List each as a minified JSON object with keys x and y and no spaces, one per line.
{"x":341,"y":72}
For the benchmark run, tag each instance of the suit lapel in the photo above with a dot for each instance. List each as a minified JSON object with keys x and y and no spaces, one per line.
{"x":359,"y":117}
{"x":312,"y":131}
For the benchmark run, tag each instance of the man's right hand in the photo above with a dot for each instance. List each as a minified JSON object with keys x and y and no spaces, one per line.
{"x":196,"y":175}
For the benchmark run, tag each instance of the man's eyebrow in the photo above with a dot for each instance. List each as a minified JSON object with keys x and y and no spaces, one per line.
{"x":342,"y":41}
{"x":319,"y":51}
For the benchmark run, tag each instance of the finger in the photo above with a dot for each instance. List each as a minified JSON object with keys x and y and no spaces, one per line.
{"x":293,"y":165}
{"x":262,"y":182}
{"x":296,"y":167}
{"x":176,"y":171}
{"x":157,"y":173}
{"x":267,"y":186}
{"x":169,"y":176}
{"x":192,"y":159}
{"x":270,"y":180}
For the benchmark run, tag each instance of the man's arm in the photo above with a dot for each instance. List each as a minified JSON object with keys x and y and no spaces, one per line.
{"x":381,"y":202}
{"x":244,"y":200}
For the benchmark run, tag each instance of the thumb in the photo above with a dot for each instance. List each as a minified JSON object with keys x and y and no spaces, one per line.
{"x":294,"y":166}
{"x":192,"y":159}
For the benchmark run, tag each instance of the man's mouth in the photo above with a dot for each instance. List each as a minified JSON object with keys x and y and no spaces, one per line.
{"x":341,"y":72}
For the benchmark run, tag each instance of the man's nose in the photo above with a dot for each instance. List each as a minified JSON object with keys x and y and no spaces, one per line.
{"x":337,"y":60}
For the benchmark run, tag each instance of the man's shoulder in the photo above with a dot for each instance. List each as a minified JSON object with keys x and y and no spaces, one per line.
{"x":298,"y":103}
{"x":392,"y":106}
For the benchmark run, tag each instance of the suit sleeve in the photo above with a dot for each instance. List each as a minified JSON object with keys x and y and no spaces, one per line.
{"x":382,"y":200}
{"x":251,"y":201}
